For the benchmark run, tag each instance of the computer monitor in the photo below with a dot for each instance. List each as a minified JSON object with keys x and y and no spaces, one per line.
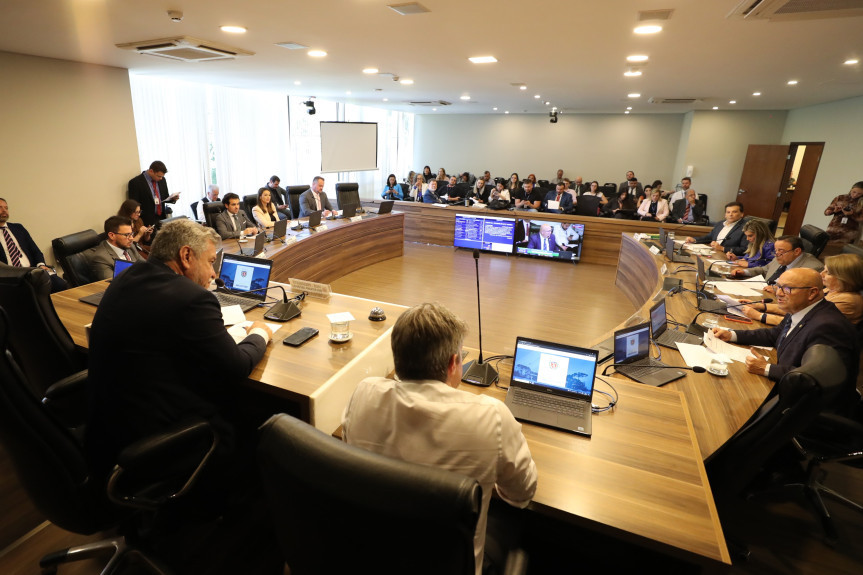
{"x":486,"y":233}
{"x":553,"y":240}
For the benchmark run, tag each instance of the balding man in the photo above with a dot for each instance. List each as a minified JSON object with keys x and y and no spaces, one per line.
{"x":809,"y":320}
{"x":543,"y":240}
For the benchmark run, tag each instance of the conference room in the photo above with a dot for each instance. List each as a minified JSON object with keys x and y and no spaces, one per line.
{"x":63,"y":92}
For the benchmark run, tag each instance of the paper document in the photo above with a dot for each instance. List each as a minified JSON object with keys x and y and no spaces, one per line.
{"x":233,"y":314}
{"x":734,"y":306}
{"x":699,"y":355}
{"x":748,"y":290}
{"x":552,"y":205}
{"x":238,"y":331}
{"x":734,"y":352}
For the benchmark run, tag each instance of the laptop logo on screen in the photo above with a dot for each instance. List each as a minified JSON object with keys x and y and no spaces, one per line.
{"x":552,"y":365}
{"x":244,"y":273}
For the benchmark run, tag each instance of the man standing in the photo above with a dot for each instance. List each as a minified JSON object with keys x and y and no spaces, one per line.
{"x":150,"y":189}
{"x":543,"y":240}
{"x":789,"y":255}
{"x":685,"y":182}
{"x":279,"y":197}
{"x":634,"y":190}
{"x":18,"y":249}
{"x":424,"y":418}
{"x":118,"y":246}
{"x":315,"y":199}
{"x":211,"y":195}
{"x":563,"y":199}
{"x":233,"y":223}
{"x":687,"y":210}
{"x":728,"y":234}
{"x":527,"y":198}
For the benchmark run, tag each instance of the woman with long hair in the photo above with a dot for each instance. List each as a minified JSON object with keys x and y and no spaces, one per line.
{"x":760,"y":251}
{"x":141,"y":234}
{"x":392,"y":191}
{"x":264,"y":211}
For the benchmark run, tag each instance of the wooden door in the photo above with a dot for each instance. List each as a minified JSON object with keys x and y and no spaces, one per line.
{"x":762,"y":179}
{"x":803,"y":187}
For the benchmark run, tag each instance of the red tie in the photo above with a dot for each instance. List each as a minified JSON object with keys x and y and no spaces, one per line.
{"x":157,"y":198}
{"x":558,"y":198}
{"x":686,"y":214}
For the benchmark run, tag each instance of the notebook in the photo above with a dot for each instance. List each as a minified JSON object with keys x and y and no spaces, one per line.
{"x":552,"y":384}
{"x":349,"y":211}
{"x":664,"y":336}
{"x":672,"y":255}
{"x":280,"y":228}
{"x":632,"y":348}
{"x":96,"y":298}
{"x":243,"y":274}
{"x":314,"y":220}
{"x":386,"y":207}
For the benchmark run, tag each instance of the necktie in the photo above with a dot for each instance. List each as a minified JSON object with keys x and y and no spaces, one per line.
{"x":126,"y":255}
{"x":157,"y":198}
{"x":772,"y":279}
{"x":558,"y":198}
{"x":14,"y":254}
{"x":786,"y":324}
{"x":545,"y":244}
{"x":237,"y":222}
{"x":686,"y":214}
{"x":318,"y":201}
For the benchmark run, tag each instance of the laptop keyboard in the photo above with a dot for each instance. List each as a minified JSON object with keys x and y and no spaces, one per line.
{"x":643,"y":367}
{"x":672,"y":335}
{"x":226,"y":299}
{"x":548,"y":402}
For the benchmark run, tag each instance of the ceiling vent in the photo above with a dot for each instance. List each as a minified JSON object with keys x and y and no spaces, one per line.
{"x":409,"y":9}
{"x":185,"y":49}
{"x":650,"y":15}
{"x":783,"y":10}
{"x":687,"y":101}
{"x":430,"y":103}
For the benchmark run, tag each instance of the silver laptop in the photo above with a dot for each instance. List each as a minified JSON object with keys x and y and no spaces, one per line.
{"x":632,"y":349}
{"x":664,"y":336}
{"x":552,"y":384}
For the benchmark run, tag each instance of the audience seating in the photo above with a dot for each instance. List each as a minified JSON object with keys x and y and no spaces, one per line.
{"x":211,"y":210}
{"x":814,"y":239}
{"x":587,"y":206}
{"x":68,"y":251}
{"x":294,"y":193}
{"x":389,"y":516}
{"x":852,"y":249}
{"x":347,"y":193}
{"x":608,"y":190}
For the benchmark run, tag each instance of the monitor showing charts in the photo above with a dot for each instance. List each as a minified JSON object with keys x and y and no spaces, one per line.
{"x":545,"y":239}
{"x":484,"y":233}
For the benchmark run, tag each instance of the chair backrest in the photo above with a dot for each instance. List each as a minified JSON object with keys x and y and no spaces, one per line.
{"x":43,"y":348}
{"x":347,"y":193}
{"x":48,"y":460}
{"x":294,"y":193}
{"x":771,"y":224}
{"x":211,"y":210}
{"x":406,"y":190}
{"x":544,"y":184}
{"x":161,"y":223}
{"x":69,"y":253}
{"x":802,"y":393}
{"x":587,"y":206}
{"x":194,"y":208}
{"x":852,"y":249}
{"x":249,"y":202}
{"x":608,"y":190}
{"x":814,"y":239}
{"x":396,"y":517}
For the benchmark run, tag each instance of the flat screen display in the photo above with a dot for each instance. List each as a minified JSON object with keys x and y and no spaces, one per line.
{"x":486,"y":233}
{"x":554,"y":240}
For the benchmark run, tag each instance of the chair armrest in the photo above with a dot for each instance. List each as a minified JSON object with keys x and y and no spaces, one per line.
{"x":66,"y":399}
{"x":162,"y":467}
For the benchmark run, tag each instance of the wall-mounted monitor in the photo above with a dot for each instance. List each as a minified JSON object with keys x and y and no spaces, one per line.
{"x":486,"y":233}
{"x":553,"y":240}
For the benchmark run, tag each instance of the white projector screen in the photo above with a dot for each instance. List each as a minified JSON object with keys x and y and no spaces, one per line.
{"x":349,"y":146}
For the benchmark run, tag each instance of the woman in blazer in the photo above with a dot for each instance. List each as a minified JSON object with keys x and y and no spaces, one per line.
{"x":265,"y":211}
{"x":654,"y":208}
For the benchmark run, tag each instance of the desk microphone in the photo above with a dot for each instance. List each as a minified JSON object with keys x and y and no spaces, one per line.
{"x":282,"y":311}
{"x":478,"y":372}
{"x":696,"y":369}
{"x":696,"y":329}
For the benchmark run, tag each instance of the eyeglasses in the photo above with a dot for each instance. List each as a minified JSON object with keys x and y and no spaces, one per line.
{"x":788,"y":289}
{"x":781,"y":252}
{"x":129,"y":235}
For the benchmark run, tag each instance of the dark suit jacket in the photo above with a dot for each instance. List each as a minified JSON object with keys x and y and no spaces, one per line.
{"x":535,"y":243}
{"x":679,"y":208}
{"x":142,"y":382}
{"x":735,"y":241}
{"x":522,"y":228}
{"x":101,"y":258}
{"x":823,"y":324}
{"x":565,"y":202}
{"x":141,"y":191}
{"x":278,"y":195}
{"x":307,"y":203}
{"x":639,"y":189}
{"x":28,"y":246}
{"x":224,"y":227}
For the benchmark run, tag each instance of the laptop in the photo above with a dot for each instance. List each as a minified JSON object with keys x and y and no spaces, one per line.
{"x":96,"y":298}
{"x":280,"y":229}
{"x":243,"y":274}
{"x":673,"y":256}
{"x":706,"y":302}
{"x":664,"y":336}
{"x":349,"y":211}
{"x":260,"y":240}
{"x":661,"y":245}
{"x":632,"y":348}
{"x":386,"y":207}
{"x":552,"y":384}
{"x":314,"y":220}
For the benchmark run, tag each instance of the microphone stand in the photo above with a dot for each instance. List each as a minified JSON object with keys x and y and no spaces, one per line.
{"x":478,"y":372}
{"x":284,"y":310}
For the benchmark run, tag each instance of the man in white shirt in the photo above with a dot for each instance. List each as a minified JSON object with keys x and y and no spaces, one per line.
{"x":118,"y":246}
{"x":681,"y":193}
{"x":212,"y":195}
{"x":315,"y":200}
{"x":423,"y":417}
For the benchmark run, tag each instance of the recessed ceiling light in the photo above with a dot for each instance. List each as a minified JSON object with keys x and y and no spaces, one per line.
{"x":648,"y":29}
{"x":632,"y":73}
{"x":406,"y":81}
{"x":792,"y":82}
{"x":633,"y":95}
{"x":851,"y":61}
{"x":464,"y":97}
{"x":756,"y":93}
{"x":233,"y":29}
{"x":494,"y":109}
{"x":483,"y":59}
{"x":547,"y":103}
{"x":317,"y":53}
{"x":629,"y":107}
{"x":386,"y":99}
{"x":297,"y":82}
{"x":507,"y":112}
{"x":536,"y":96}
{"x":523,"y":87}
{"x":732,"y":101}
{"x":636,"y":58}
{"x":348,"y":93}
{"x":715,"y":107}
{"x":626,"y":112}
{"x":370,"y":70}
{"x":434,"y":109}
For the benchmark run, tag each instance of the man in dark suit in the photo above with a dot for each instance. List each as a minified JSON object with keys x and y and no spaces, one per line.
{"x":430,"y":196}
{"x":579,"y":187}
{"x":559,"y":195}
{"x":522,"y":233}
{"x":315,"y":199}
{"x":789,"y":255}
{"x":810,"y":319}
{"x":150,"y":189}
{"x":211,"y":195}
{"x":233,"y":222}
{"x":279,"y":197}
{"x":635,"y":190}
{"x":543,"y":240}
{"x":118,"y":246}
{"x":687,"y":210}
{"x":18,"y":249}
{"x":728,"y":234}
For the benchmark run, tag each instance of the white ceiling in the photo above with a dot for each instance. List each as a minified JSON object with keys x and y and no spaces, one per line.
{"x":572,"y":53}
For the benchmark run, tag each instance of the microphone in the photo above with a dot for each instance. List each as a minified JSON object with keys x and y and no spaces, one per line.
{"x":478,"y":372}
{"x":696,"y":369}
{"x":284,"y":310}
{"x":696,"y":329}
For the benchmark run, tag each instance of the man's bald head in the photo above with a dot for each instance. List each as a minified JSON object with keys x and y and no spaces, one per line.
{"x":805,"y":287}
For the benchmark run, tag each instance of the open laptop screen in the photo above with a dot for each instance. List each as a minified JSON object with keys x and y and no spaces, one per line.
{"x":121,"y":266}
{"x":658,"y":318}
{"x":554,"y":367}
{"x":632,"y":343}
{"x":244,"y":273}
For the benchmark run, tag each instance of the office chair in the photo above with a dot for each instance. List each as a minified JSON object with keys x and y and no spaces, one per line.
{"x":294,"y":193}
{"x":702,"y":202}
{"x":588,"y":206}
{"x":348,"y":193}
{"x":771,"y":224}
{"x":160,"y":223}
{"x":814,"y":239}
{"x":52,"y":468}
{"x":211,"y":210}
{"x":249,"y":202}
{"x":69,"y":253}
{"x":852,"y":249}
{"x":341,"y":509}
{"x":194,"y":208}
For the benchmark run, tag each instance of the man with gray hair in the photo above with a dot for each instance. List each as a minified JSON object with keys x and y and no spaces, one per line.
{"x":422,"y":416}
{"x":211,"y":195}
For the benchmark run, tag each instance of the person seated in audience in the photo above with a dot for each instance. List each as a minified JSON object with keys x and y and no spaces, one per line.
{"x":430,"y":196}
{"x":657,"y":185}
{"x":315,"y":199}
{"x":685,"y":184}
{"x":843,"y":281}
{"x":279,"y":197}
{"x":566,"y":237}
{"x":514,"y":184}
{"x":579,"y":187}
{"x":211,"y":195}
{"x":647,"y":191}
{"x":233,"y":223}
{"x":543,"y":240}
{"x":412,"y":176}
{"x":452,"y":191}
{"x":634,"y":189}
{"x":392,"y":189}
{"x":760,"y":251}
{"x":654,"y":208}
{"x":559,"y":195}
{"x":687,"y":210}
{"x":264,"y":211}
{"x":18,"y":249}
{"x":622,"y":207}
{"x":141,"y":234}
{"x":441,"y":174}
{"x":465,"y":178}
{"x":557,"y":179}
{"x":499,"y":197}
{"x":727,"y":235}
{"x":481,"y":191}
{"x":532,"y":179}
{"x":594,"y":190}
{"x":527,"y":198}
{"x":789,"y":254}
{"x":486,"y":175}
{"x":418,"y":188}
{"x":117,"y":246}
{"x":427,"y":174}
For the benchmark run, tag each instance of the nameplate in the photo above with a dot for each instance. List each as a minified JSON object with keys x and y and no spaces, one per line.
{"x":290,"y":240}
{"x":321,"y":228}
{"x":312,"y":289}
{"x":356,"y":219}
{"x":654,"y":250}
{"x":664,"y":269}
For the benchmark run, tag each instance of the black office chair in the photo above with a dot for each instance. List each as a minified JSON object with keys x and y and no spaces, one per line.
{"x":249,"y":202}
{"x":406,"y":191}
{"x":588,"y":206}
{"x":211,"y":210}
{"x":391,"y":516}
{"x":544,"y":184}
{"x":53,"y":470}
{"x":771,"y":224}
{"x":69,"y":253}
{"x":160,"y":223}
{"x":814,"y":239}
{"x":194,"y":208}
{"x":348,"y":193}
{"x":702,"y":203}
{"x":294,"y":193}
{"x":852,"y":249}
